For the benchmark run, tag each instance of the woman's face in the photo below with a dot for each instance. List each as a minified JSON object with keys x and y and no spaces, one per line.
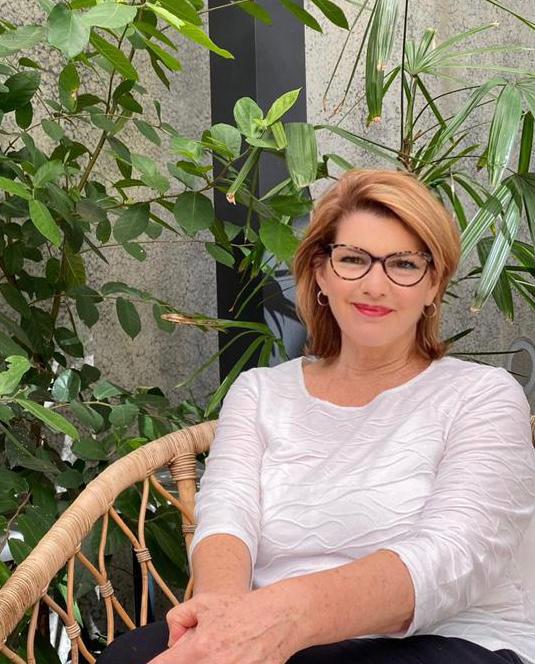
{"x":373,"y":311}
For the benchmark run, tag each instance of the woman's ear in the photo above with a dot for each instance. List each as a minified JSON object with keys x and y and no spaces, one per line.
{"x":319,"y":274}
{"x":433,"y":288}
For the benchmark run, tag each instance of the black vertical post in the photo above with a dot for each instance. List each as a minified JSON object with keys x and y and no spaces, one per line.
{"x":269,"y":61}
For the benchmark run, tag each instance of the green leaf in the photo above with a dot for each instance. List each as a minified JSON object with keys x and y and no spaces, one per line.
{"x":14,"y":297}
{"x":221,"y":255}
{"x":302,"y":14}
{"x":498,"y":254}
{"x":124,"y":414}
{"x":53,"y":129}
{"x":66,"y":386}
{"x":135,"y":250}
{"x":279,"y":239}
{"x":301,"y":153}
{"x":24,"y":116}
{"x":9,"y":347}
{"x":232,"y":375}
{"x":70,"y":479}
{"x":11,"y":481}
{"x":53,"y":420}
{"x":69,"y":342}
{"x":228,"y":136}
{"x":483,"y":218}
{"x":380,"y":41}
{"x":132,"y":222}
{"x":72,"y":268}
{"x":148,"y":131}
{"x":43,"y":221}
{"x":68,"y":85}
{"x":90,"y":450}
{"x":15,"y":188}
{"x":503,"y":130}
{"x":66,"y":31}
{"x":87,"y":415}
{"x":19,"y":550}
{"x":115,"y":56}
{"x":257,"y":11}
{"x":182,"y":9}
{"x":104,"y":390}
{"x":248,"y":115}
{"x":128,"y":317}
{"x":22,"y":38}
{"x":281,"y":106}
{"x":9,"y":380}
{"x":526,"y":144}
{"x":279,"y":135}
{"x":193,"y":32}
{"x":21,"y":89}
{"x":150,"y":174}
{"x":332,"y":12}
{"x":109,"y":15}
{"x":194,"y":212}
{"x":48,"y":172}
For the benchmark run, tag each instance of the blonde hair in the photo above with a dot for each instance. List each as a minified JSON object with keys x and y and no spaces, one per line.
{"x":387,"y":193}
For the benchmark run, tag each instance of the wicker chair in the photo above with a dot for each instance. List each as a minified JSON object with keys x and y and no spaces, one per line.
{"x":60,"y":547}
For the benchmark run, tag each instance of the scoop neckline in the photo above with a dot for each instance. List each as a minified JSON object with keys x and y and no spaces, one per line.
{"x":391,"y":390}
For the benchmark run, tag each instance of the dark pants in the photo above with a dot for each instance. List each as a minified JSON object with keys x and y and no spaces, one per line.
{"x":141,"y":645}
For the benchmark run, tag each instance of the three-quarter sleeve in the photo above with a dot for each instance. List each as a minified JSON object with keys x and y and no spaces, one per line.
{"x":482,"y":500}
{"x":228,"y":501}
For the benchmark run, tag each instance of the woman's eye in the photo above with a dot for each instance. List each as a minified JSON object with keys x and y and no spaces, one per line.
{"x":354,"y":260}
{"x":403,"y":264}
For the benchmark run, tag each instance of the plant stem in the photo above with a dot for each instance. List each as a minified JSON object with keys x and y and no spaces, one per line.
{"x":402,"y":91}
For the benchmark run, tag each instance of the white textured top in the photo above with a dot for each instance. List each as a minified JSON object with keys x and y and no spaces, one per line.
{"x":440,"y":470}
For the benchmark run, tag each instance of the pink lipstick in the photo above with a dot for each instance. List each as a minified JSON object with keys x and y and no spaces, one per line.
{"x":375,"y":312}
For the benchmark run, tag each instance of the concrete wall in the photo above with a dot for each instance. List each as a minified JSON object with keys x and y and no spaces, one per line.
{"x":492,"y":332}
{"x":177,"y":269}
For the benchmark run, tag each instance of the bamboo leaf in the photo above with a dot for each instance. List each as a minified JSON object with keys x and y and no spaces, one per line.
{"x":378,"y":53}
{"x":380,"y":150}
{"x":498,"y":253}
{"x":484,"y":217}
{"x":231,"y":376}
{"x":301,"y":153}
{"x":526,"y":144}
{"x":503,"y":130}
{"x":473,"y":100}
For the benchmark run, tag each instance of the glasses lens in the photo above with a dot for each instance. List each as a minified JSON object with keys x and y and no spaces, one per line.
{"x":406,"y":269}
{"x":350,"y":263}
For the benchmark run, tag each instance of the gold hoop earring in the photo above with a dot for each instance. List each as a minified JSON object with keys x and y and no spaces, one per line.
{"x":435,"y":310}
{"x":318,"y":298}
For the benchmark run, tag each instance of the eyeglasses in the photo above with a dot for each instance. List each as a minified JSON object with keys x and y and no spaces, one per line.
{"x":404,"y":268}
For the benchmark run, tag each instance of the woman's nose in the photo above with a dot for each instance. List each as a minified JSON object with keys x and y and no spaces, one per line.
{"x":375,"y":282}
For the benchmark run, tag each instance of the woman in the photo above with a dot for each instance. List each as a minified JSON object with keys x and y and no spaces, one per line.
{"x":365,"y":503}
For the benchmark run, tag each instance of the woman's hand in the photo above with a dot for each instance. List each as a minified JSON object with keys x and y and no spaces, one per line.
{"x":214,"y":628}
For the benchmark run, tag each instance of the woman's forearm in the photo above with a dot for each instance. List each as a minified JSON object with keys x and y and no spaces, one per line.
{"x":372,"y":595}
{"x":221,"y":563}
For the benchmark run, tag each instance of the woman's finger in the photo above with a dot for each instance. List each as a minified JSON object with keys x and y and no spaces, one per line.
{"x":179,"y":619}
